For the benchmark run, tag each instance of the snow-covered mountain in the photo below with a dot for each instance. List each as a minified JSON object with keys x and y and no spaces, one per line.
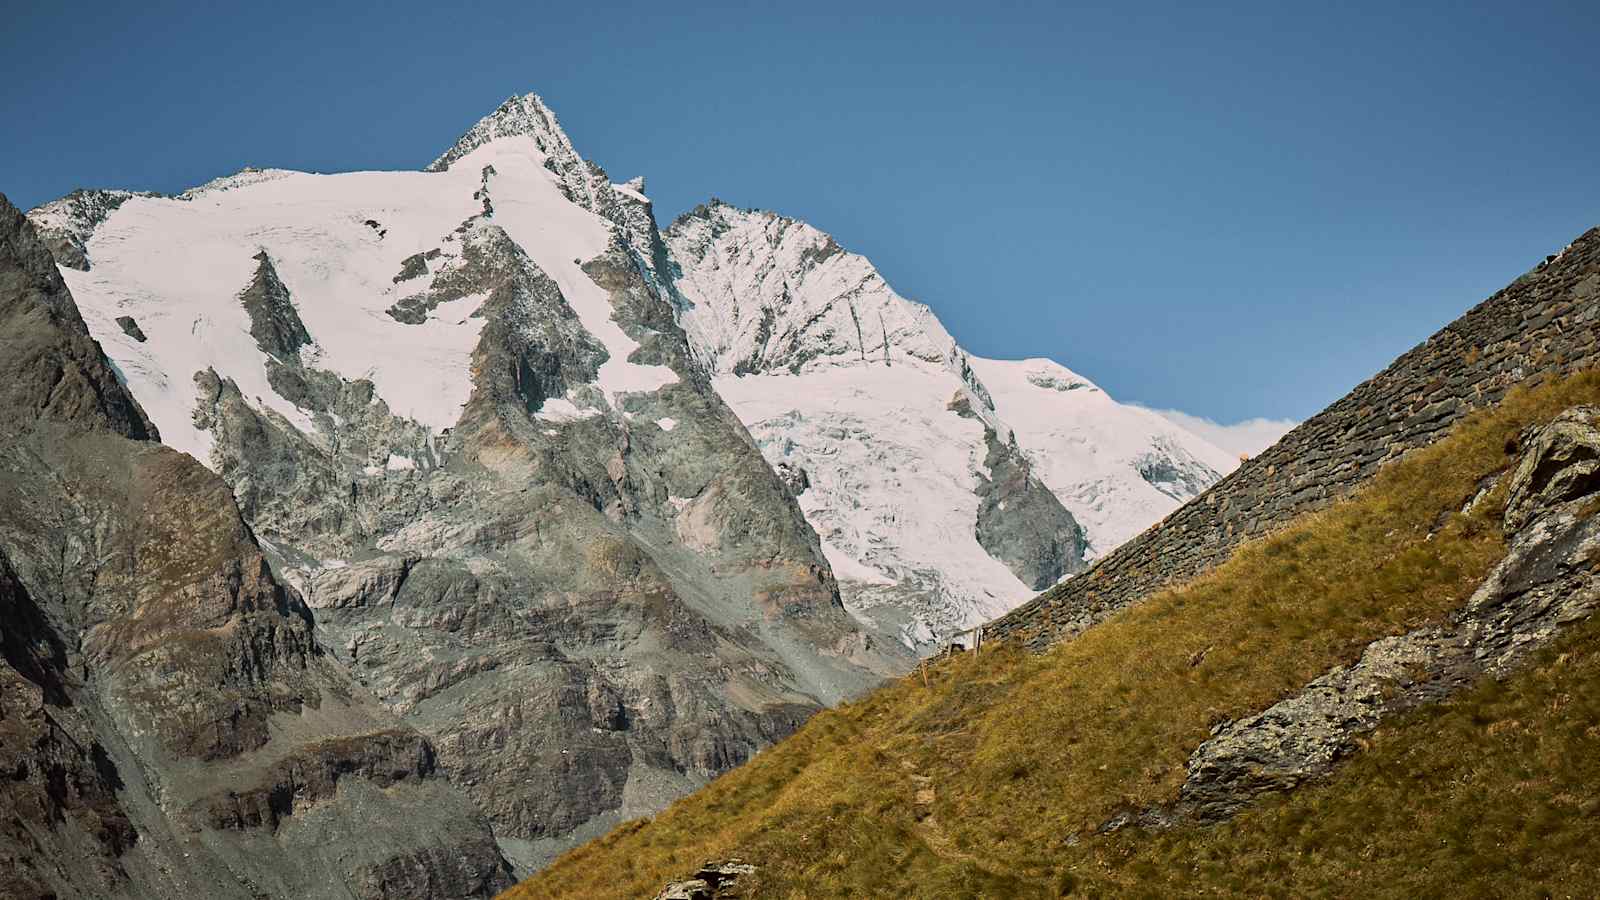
{"x":587,"y":504}
{"x":895,"y":432}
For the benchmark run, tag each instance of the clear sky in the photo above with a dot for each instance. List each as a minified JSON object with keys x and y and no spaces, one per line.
{"x":1236,"y":212}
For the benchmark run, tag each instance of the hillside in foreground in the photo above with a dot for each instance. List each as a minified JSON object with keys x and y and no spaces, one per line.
{"x":1430,"y":629}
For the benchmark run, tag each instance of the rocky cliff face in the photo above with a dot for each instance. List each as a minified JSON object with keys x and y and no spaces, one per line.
{"x":171,"y":725}
{"x":946,"y":488}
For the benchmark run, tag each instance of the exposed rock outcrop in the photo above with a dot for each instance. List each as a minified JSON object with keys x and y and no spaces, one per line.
{"x":273,"y":321}
{"x":1561,"y":463}
{"x":1021,"y":523}
{"x":130,"y":327}
{"x":713,"y":881}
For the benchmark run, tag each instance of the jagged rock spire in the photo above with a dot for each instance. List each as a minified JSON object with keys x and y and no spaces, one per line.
{"x":529,"y":116}
{"x":524,"y":115}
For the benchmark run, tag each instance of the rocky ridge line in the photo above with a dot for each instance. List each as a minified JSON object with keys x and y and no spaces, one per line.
{"x":1544,"y":324}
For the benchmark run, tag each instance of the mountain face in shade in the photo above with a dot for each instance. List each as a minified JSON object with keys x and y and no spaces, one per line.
{"x":577,"y":512}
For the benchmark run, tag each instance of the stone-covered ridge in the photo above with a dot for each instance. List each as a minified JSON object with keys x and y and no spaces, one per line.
{"x":1545,"y":323}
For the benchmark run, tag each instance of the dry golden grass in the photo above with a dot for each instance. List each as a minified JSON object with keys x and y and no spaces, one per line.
{"x":989,"y":781}
{"x":1494,"y":794}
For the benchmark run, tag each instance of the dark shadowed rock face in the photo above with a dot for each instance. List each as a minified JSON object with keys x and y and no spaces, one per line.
{"x":274,"y":323}
{"x":1021,"y":523}
{"x":169,"y":725}
{"x":51,"y":368}
{"x":130,"y":327}
{"x":58,"y":789}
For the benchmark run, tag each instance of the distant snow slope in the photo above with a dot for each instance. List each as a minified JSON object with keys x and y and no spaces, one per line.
{"x":836,"y":374}
{"x":1119,"y":468}
{"x":893,"y":477}
{"x":1247,"y":436}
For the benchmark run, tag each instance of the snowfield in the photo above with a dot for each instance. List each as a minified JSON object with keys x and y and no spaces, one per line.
{"x":177,"y":266}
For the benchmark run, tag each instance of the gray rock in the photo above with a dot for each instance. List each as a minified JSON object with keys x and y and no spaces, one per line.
{"x":1021,"y":523}
{"x":713,"y":881}
{"x":794,"y":477}
{"x":1561,"y":463}
{"x":689,"y":889}
{"x":413,"y":266}
{"x":131,"y":328}
{"x":274,"y":322}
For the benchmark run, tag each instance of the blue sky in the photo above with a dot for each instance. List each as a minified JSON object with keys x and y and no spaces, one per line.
{"x":1237,"y":211}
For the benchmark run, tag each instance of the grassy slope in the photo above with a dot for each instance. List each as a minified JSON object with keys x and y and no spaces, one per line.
{"x":1495,"y":794}
{"x":988,"y":781}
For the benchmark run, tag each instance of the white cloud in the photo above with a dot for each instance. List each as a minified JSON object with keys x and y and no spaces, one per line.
{"x":1250,"y":436}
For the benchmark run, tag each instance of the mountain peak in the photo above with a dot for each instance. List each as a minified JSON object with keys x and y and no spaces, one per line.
{"x":527,"y":115}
